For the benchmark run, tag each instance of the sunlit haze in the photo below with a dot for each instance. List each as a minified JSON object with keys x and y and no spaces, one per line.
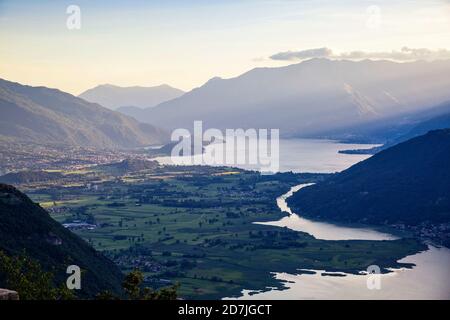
{"x":185,"y":43}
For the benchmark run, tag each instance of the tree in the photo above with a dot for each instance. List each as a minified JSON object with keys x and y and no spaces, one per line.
{"x":106,"y":295}
{"x":132,"y":286}
{"x":24,"y":275}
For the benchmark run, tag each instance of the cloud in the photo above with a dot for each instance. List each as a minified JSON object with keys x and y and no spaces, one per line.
{"x":404,"y":54}
{"x":303,"y":54}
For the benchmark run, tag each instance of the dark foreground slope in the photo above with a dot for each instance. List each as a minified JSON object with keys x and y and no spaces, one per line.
{"x":26,"y":228}
{"x":408,"y":183}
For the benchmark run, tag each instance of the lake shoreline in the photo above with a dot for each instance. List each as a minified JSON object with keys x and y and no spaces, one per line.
{"x":418,"y":283}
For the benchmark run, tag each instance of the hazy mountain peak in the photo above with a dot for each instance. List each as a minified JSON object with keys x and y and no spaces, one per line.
{"x":113,"y":96}
{"x":213,"y":80}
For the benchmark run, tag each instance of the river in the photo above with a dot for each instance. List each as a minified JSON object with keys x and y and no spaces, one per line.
{"x":322,"y":230}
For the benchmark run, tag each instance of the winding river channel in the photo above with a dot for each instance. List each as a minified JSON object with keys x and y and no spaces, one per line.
{"x":321,"y":230}
{"x":428,"y":279}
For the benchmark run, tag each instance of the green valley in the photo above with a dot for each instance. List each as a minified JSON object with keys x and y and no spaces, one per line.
{"x":195,"y":226}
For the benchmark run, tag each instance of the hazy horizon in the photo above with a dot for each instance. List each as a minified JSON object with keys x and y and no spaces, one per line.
{"x":186,"y":43}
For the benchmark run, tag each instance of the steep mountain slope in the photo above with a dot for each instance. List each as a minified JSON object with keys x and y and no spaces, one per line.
{"x":408,"y":183}
{"x":310,"y":97}
{"x":49,"y":116}
{"x":398,"y":129}
{"x":27,"y":228}
{"x":440,"y":122}
{"x":114,"y":97}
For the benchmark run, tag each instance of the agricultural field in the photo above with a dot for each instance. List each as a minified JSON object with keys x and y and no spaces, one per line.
{"x":195,"y":226}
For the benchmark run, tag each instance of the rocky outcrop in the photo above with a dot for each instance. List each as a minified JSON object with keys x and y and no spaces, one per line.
{"x":8,"y":295}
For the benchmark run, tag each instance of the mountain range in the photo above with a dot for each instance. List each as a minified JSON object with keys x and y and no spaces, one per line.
{"x":408,"y":183}
{"x":309,"y":98}
{"x":113,"y":97}
{"x":314,"y":98}
{"x":49,"y":116}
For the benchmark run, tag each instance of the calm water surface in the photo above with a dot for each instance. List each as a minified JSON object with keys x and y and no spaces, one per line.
{"x":321,"y":230}
{"x":429,"y":279}
{"x":300,"y":155}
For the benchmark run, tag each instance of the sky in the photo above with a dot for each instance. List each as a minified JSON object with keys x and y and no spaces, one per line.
{"x":184,"y":43}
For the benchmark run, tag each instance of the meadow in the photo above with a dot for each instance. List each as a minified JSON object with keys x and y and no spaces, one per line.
{"x":195,"y":226}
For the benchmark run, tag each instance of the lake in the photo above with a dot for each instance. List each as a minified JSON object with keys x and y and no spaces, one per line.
{"x":299,"y":155}
{"x":429,"y":279}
